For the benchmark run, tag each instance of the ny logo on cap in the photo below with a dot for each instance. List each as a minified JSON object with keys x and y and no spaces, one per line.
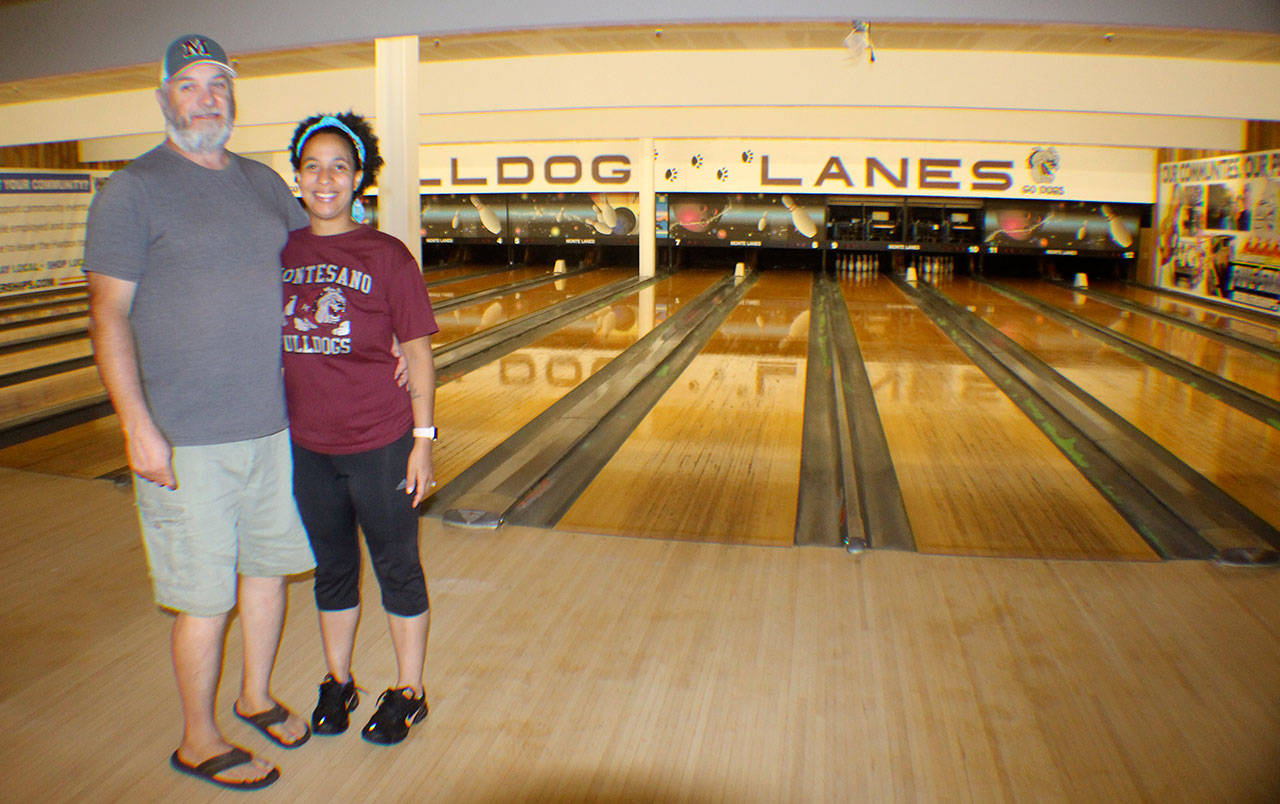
{"x":194,"y":47}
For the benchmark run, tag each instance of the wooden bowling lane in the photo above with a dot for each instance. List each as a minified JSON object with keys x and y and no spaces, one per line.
{"x":38,"y":355}
{"x":9,"y":301}
{"x":89,"y":450}
{"x":20,"y":333}
{"x":481,"y":409}
{"x":25,"y":401}
{"x":1251,"y":369}
{"x":1234,"y":450}
{"x":1243,"y":322}
{"x":448,"y":272}
{"x":718,"y":458}
{"x":459,"y":322}
{"x":977,"y":476}
{"x":474,"y":284}
{"x":12,"y":310}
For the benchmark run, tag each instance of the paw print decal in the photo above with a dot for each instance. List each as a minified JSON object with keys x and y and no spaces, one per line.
{"x":696,"y":161}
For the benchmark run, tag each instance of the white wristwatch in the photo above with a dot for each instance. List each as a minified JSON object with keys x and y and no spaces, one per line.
{"x":425,"y":432}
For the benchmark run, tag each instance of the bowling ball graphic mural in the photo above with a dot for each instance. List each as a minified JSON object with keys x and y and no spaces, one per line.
{"x":447,"y":218}
{"x":1081,"y":226}
{"x":1018,"y":224}
{"x":745,"y":219}
{"x":694,"y":216}
{"x":573,"y":217}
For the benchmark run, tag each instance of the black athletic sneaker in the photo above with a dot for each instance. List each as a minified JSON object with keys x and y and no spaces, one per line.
{"x":397,"y":711}
{"x":336,"y":700}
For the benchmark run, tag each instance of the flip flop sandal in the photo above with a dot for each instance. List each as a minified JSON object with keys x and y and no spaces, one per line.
{"x":274,"y":715}
{"x":211,"y":767}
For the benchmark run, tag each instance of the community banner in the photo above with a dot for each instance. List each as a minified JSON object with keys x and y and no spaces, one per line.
{"x":42,"y":227}
{"x":1218,"y":234}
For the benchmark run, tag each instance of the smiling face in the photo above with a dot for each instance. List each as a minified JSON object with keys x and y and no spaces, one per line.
{"x":199,"y":108}
{"x":328,"y":178}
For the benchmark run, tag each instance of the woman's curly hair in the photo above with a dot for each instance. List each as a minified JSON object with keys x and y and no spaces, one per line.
{"x":355,"y":124}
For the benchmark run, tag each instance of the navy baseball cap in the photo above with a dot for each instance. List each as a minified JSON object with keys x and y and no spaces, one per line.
{"x":193,"y":49}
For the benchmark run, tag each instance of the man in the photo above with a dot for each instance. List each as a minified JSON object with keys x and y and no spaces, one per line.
{"x":182,"y":258}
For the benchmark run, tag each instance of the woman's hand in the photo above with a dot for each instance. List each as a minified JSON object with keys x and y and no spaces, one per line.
{"x":419,"y":477}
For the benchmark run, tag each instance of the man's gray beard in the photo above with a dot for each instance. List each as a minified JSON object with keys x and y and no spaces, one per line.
{"x":202,"y":141}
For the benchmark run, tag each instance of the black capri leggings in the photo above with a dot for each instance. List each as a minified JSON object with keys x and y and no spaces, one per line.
{"x":335,"y":493}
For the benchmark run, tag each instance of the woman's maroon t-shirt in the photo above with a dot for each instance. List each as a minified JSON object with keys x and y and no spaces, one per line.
{"x":344,"y":297}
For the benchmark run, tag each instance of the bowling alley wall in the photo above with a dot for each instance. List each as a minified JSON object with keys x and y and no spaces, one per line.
{"x":1218,"y":231}
{"x":864,"y":195}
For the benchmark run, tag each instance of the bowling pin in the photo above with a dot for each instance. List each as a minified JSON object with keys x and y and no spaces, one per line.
{"x":800,"y":217}
{"x":606,"y":213}
{"x":1121,"y":235}
{"x":488,"y":218}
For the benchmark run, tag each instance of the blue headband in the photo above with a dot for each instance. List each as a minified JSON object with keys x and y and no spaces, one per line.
{"x":329,"y":121}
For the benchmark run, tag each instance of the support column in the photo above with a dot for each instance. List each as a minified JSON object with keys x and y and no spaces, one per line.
{"x":396,"y":90}
{"x":648,"y":231}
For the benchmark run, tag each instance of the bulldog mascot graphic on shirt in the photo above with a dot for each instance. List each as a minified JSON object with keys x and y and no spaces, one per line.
{"x":318,"y":314}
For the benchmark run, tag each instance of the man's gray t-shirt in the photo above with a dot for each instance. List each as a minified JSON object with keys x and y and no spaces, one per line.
{"x":203,"y":247}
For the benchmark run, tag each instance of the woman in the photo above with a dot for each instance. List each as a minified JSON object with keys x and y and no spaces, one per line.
{"x":361,"y":443}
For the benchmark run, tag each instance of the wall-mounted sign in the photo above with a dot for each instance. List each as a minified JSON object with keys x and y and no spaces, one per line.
{"x":42,"y":225}
{"x":907,"y":168}
{"x":1218,"y":228}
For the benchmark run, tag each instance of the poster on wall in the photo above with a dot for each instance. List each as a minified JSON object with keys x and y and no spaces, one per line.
{"x":746,"y":219}
{"x":1062,"y":228}
{"x":551,"y":218}
{"x":42,"y":227}
{"x":1217,"y":232}
{"x":456,"y":217}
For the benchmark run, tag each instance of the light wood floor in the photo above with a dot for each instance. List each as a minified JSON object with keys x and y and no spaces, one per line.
{"x":575,"y":667}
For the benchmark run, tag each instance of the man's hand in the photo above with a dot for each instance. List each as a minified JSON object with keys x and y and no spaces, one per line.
{"x":150,"y":455}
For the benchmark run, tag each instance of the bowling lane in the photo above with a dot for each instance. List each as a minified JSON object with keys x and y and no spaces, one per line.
{"x":453,"y":271}
{"x":475,"y":412}
{"x":475,"y":284}
{"x":479,"y":410}
{"x":27,"y":299}
{"x":1188,"y":308}
{"x":20,"y":401}
{"x":89,"y":450}
{"x":1242,"y":366}
{"x":37,"y":312}
{"x":460,"y":322}
{"x":977,"y":476}
{"x":38,"y":356}
{"x":40,"y":329}
{"x":1236,"y":451}
{"x":718,"y":458}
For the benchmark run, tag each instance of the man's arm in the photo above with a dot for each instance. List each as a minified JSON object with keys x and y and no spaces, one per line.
{"x":420,"y":473}
{"x":148,"y":451}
